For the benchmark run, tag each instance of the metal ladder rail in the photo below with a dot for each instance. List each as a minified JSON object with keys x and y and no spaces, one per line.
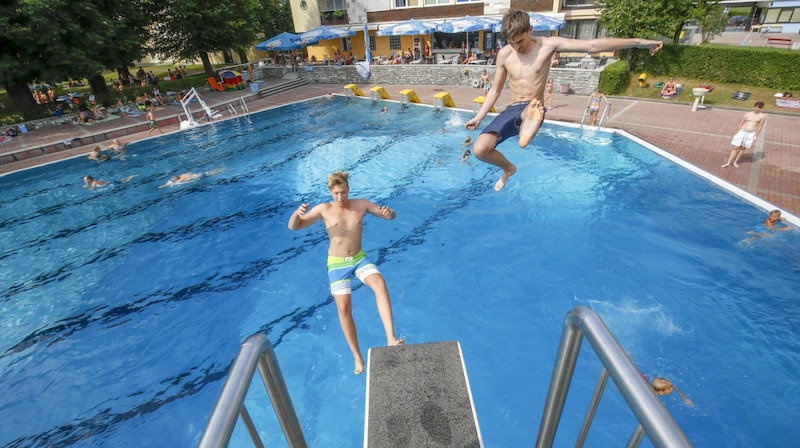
{"x":653,"y":418}
{"x":605,"y":117}
{"x":255,"y":352}
{"x":232,"y":110}
{"x":585,"y":113}
{"x":245,"y":109}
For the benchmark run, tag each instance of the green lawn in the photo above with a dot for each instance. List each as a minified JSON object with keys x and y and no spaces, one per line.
{"x":722,"y":95}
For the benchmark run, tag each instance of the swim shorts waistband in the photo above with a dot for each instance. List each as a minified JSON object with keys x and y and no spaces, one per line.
{"x":333,"y":260}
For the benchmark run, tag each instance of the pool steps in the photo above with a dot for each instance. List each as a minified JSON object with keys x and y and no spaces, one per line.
{"x":419,"y":395}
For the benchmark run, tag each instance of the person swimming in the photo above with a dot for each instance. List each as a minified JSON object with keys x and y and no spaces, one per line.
{"x":177,"y":179}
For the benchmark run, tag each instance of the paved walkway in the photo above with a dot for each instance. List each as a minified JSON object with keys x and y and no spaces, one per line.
{"x":771,"y":171}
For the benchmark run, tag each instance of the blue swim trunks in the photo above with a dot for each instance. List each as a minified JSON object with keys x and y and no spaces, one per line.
{"x":507,"y":123}
{"x":341,"y":270}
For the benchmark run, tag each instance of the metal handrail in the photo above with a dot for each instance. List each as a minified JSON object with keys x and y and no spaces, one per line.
{"x":653,"y":417}
{"x":255,"y":352}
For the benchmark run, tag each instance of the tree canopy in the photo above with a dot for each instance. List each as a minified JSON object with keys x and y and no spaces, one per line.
{"x":54,"y":40}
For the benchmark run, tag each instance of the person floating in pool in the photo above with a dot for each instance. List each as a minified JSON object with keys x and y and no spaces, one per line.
{"x":90,"y":183}
{"x":97,"y":154}
{"x":343,"y":219}
{"x":526,"y":59}
{"x":178,"y":179}
{"x":663,"y":386}
{"x":116,"y":146}
{"x":384,"y":110}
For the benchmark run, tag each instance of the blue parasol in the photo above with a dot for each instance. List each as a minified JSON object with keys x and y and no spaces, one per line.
{"x":544,"y":23}
{"x":363,"y":66}
{"x":324,"y":33}
{"x":282,"y":42}
{"x":408,"y":28}
{"x":464,"y":25}
{"x":539,"y":22}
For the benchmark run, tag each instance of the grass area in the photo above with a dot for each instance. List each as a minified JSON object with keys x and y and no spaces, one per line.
{"x":9,"y":115}
{"x":721,"y":96}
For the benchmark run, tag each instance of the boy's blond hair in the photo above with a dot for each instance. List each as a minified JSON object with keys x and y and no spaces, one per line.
{"x":338,"y":178}
{"x":515,"y":22}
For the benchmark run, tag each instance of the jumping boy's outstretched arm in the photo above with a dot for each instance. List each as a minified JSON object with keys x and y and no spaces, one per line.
{"x":605,"y":44}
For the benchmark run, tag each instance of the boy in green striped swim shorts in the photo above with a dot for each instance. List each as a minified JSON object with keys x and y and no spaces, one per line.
{"x":343,"y":219}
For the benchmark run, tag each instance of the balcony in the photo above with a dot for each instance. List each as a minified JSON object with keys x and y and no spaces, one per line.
{"x":338,"y":17}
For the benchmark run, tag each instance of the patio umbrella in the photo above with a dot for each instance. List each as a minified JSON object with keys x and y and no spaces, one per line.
{"x":464,"y":25}
{"x":363,"y":66}
{"x":324,"y":33}
{"x":545,"y":23}
{"x":282,"y":42}
{"x":408,"y":28}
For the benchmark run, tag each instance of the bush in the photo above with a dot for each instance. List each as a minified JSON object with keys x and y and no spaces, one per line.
{"x":773,"y":68}
{"x":614,"y":79}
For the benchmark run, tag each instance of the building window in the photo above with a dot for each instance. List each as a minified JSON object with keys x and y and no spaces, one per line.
{"x":573,"y":4}
{"x":579,"y":29}
{"x":332,"y":5}
{"x":783,"y":15}
{"x":346,"y":44}
{"x":372,"y":45}
{"x":394,"y":42}
{"x":436,"y":2}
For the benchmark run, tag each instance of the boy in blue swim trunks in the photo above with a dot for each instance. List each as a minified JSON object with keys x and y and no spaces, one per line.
{"x":526,"y":60}
{"x":343,"y":218}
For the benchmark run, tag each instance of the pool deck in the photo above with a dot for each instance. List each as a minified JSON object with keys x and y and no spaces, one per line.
{"x":770,"y":171}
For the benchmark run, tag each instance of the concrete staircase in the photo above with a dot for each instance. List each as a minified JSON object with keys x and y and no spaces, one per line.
{"x":289,"y":84}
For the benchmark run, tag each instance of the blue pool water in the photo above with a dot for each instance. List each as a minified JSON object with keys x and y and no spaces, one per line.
{"x":124,"y":307}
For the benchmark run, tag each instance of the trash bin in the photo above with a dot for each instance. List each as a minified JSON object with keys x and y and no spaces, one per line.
{"x":643,"y":80}
{"x":564,"y":88}
{"x":254,"y":87}
{"x":23,"y":129}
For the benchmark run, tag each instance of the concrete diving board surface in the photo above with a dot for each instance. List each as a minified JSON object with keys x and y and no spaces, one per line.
{"x":418,"y":395}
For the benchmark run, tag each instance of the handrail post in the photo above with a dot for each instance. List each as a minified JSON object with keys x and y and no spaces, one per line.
{"x":279,"y":395}
{"x":568,"y":350}
{"x":654,"y":418}
{"x":255,"y":352}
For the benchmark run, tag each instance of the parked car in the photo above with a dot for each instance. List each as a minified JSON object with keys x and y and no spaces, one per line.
{"x":738,"y":20}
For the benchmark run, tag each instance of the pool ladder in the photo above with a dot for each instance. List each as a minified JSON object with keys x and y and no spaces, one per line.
{"x":652,"y":417}
{"x":603,"y":121}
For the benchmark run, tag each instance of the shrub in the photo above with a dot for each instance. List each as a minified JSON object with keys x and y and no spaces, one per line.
{"x":614,"y":79}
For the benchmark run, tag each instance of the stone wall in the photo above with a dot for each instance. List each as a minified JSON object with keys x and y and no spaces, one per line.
{"x":582,"y":82}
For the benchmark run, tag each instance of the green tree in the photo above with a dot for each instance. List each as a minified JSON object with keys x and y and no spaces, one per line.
{"x":276,"y":18}
{"x":185,"y":29}
{"x":59,"y":39}
{"x":710,"y":18}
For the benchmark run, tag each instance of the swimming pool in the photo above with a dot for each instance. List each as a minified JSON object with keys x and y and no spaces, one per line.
{"x":123,"y":307}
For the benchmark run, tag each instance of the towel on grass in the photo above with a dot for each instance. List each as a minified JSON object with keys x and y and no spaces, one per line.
{"x":743,"y":96}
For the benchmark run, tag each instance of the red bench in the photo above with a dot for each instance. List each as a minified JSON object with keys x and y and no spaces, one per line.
{"x":779,"y":41}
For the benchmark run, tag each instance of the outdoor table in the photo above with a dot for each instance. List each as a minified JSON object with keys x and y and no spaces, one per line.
{"x":573,"y":65}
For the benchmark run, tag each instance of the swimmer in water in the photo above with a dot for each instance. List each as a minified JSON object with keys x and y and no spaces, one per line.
{"x":178,"y":179}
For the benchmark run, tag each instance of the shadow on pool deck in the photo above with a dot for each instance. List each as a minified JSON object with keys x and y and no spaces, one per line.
{"x":771,"y":171}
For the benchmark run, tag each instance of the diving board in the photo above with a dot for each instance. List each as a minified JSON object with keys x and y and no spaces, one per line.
{"x":418,"y":395}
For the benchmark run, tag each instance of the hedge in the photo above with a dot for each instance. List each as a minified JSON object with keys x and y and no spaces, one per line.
{"x":774,"y":68}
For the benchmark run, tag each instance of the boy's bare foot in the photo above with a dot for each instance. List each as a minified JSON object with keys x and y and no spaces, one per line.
{"x":735,"y":165}
{"x":398,"y":342}
{"x":504,"y":178}
{"x":726,"y":165}
{"x":359,"y":366}
{"x":532,"y":117}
